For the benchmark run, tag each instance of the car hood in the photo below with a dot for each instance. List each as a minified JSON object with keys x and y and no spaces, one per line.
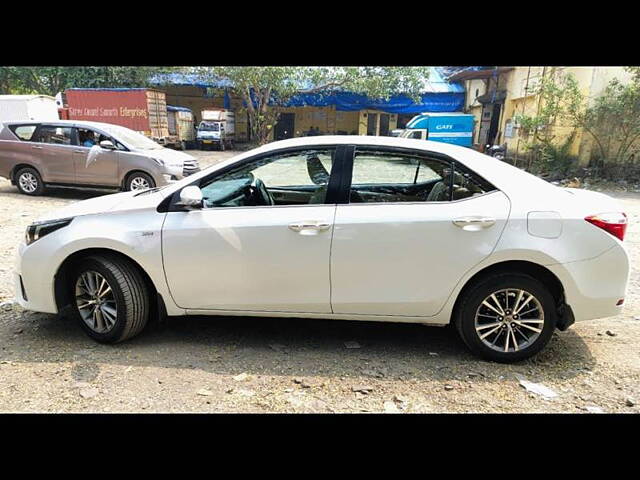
{"x":106,"y":203}
{"x":170,"y":157}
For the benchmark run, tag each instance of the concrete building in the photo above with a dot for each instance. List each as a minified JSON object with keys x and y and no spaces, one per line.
{"x":496,"y":95}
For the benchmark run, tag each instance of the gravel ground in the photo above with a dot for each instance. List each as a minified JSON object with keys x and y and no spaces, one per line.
{"x":209,"y":364}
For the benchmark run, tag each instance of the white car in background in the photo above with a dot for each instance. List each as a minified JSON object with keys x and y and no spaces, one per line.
{"x":340,"y":227}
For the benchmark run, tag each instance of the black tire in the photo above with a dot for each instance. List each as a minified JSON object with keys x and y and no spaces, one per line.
{"x":129,"y":289}
{"x":464,"y":317}
{"x":33,"y":175}
{"x":138,"y":176}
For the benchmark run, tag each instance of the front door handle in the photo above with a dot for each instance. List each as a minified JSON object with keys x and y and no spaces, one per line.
{"x":474,"y":223}
{"x":36,"y":147}
{"x":313,"y":225}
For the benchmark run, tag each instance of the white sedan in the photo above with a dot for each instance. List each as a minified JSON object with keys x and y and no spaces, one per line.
{"x":341,"y":227}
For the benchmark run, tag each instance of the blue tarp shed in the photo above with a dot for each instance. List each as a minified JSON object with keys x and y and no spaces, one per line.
{"x":439,"y":95}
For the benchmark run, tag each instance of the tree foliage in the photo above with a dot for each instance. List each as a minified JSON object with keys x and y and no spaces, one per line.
{"x":613,"y":120}
{"x":559,"y":101}
{"x":51,"y":80}
{"x":265,"y":90}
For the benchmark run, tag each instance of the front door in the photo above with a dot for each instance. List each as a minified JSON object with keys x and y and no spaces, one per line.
{"x":285,"y":126}
{"x":372,"y":124}
{"x":401,"y":245}
{"x":262,"y":241}
{"x":384,"y":125}
{"x":94,"y":165}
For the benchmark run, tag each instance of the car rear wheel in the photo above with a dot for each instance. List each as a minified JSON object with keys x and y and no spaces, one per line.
{"x":139,"y":181}
{"x":109,"y":298}
{"x":506,"y":317}
{"x":29,"y":182}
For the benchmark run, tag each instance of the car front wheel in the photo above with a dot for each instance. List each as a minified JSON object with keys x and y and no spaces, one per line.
{"x":139,"y":181}
{"x":506,"y":317}
{"x":109,"y":298}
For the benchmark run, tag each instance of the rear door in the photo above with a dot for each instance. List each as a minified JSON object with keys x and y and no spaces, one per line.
{"x":413,"y":225}
{"x":94,"y":165}
{"x":52,"y":145}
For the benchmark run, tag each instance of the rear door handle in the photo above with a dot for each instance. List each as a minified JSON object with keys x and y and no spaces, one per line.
{"x":37,"y":147}
{"x":78,"y":151}
{"x":313,"y":225}
{"x":474,"y":223}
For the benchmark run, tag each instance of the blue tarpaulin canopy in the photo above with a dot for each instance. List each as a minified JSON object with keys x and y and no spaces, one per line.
{"x":439,"y":95}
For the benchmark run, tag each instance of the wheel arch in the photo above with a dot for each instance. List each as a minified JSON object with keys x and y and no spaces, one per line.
{"x":127,"y":175}
{"x":16,"y":169}
{"x":158,"y":308}
{"x":535,"y":270}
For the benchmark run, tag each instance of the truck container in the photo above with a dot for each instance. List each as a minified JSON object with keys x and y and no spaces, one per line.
{"x":217,"y":128}
{"x":28,"y":107}
{"x":455,"y":128}
{"x":141,"y":109}
{"x":181,"y":124}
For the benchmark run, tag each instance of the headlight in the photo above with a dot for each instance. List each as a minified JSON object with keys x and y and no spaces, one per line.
{"x":158,"y":161}
{"x":40,"y":229}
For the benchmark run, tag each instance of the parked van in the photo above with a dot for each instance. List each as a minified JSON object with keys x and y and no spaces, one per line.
{"x":34,"y":155}
{"x":27,"y":107}
{"x":455,"y":128}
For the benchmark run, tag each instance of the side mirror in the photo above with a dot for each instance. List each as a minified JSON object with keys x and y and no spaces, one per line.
{"x":107,"y":145}
{"x":190,"y":197}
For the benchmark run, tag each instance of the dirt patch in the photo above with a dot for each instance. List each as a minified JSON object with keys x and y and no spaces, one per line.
{"x":236,"y":364}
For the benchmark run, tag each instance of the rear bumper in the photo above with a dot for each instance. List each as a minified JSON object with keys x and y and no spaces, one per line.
{"x":593,"y":287}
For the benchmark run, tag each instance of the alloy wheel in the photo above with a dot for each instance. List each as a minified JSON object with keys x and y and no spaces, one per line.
{"x":139,"y":183}
{"x":96,"y":302}
{"x":509,"y":320}
{"x":28,"y":182}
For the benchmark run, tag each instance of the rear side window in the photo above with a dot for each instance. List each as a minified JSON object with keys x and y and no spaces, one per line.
{"x":468,"y":184}
{"x":23,"y":132}
{"x":53,"y":135}
{"x":380,"y":176}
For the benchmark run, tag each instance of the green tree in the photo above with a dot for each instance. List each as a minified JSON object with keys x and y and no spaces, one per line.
{"x":613,"y":120}
{"x":559,"y":101}
{"x":51,"y":80}
{"x":264,"y":90}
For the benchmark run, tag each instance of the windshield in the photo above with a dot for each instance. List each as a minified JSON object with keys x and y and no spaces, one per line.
{"x":130,"y":138}
{"x":209,"y":127}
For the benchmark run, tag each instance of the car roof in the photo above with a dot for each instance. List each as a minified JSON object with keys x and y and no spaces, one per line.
{"x":511,"y":180}
{"x":61,"y":122}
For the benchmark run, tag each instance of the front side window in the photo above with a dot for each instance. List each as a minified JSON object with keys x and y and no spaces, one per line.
{"x":294,"y":178}
{"x":398,"y":177}
{"x":88,"y":138}
{"x":23,"y":132}
{"x":53,"y":135}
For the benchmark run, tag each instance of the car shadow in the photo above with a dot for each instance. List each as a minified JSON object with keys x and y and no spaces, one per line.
{"x":8,"y":190}
{"x":292,"y":347}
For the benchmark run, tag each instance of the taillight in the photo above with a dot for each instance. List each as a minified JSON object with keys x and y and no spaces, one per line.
{"x":614,"y":223}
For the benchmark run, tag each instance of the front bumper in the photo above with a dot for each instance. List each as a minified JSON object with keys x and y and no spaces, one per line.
{"x":33,"y":288}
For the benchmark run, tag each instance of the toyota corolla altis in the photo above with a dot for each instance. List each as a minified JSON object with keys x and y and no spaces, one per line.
{"x":340,"y":227}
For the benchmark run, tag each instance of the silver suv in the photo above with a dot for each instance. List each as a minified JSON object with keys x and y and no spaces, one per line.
{"x":75,"y":153}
